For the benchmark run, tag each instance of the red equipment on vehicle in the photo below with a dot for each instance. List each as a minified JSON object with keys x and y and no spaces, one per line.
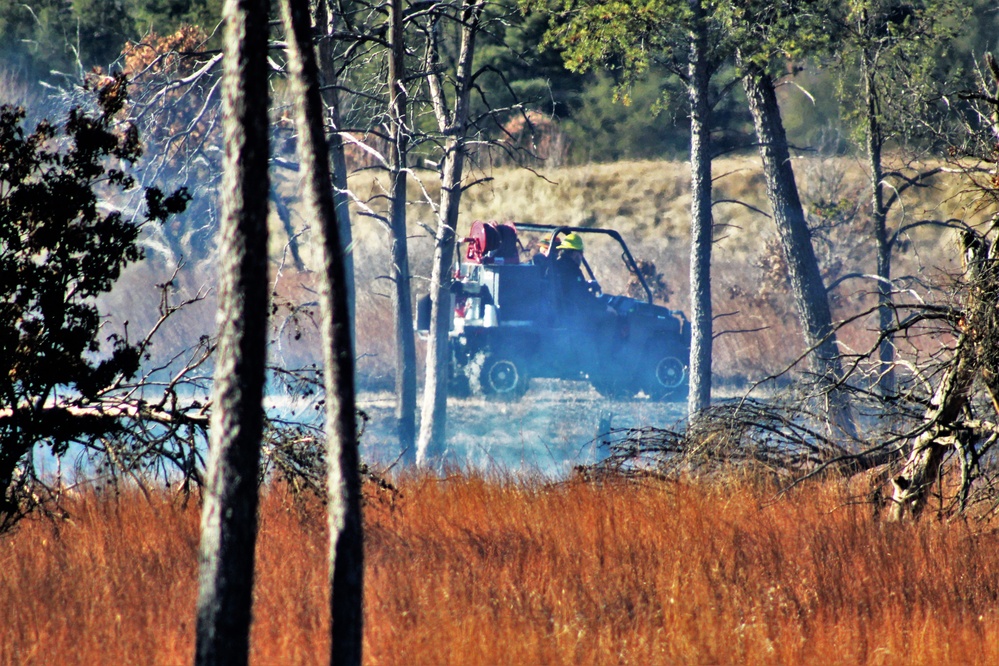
{"x":492,"y":243}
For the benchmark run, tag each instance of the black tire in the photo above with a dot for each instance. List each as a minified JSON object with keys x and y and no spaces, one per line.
{"x":499,"y":376}
{"x":667,"y":379}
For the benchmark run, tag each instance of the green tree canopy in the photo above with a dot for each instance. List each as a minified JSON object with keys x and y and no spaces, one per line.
{"x":62,"y":244}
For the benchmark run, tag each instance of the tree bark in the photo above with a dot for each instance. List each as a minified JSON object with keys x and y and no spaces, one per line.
{"x":229,"y":517}
{"x":809,"y":291}
{"x":327,"y":21}
{"x":433,"y":424}
{"x":405,"y":368}
{"x":346,"y":554}
{"x":701,"y":223}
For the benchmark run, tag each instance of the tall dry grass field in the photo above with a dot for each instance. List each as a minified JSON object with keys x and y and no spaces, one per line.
{"x":473,"y":570}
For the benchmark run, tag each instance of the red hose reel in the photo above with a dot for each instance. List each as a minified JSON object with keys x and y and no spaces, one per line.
{"x":492,"y":242}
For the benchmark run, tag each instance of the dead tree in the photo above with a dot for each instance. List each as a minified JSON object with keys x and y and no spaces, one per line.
{"x":176,"y":102}
{"x":944,"y":427}
{"x":346,"y":554}
{"x":453,"y":125}
{"x":948,"y":423}
{"x":229,"y":517}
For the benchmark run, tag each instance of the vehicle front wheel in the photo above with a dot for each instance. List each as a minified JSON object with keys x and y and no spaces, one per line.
{"x":501,"y":376}
{"x":667,"y":379}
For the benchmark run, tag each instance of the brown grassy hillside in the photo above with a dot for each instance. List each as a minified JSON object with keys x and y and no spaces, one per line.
{"x":649,"y":202}
{"x":472,"y":570}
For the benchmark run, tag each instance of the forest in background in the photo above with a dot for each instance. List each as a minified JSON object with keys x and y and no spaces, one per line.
{"x":52,"y":44}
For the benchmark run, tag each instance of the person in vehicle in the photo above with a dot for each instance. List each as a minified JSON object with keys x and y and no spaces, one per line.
{"x":567,"y":269}
{"x":543,"y":256}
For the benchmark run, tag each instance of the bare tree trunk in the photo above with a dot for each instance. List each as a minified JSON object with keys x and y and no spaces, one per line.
{"x":879,"y":214}
{"x":346,"y":555}
{"x":953,"y":394}
{"x":327,"y":21}
{"x":809,"y":291}
{"x":284,"y":214}
{"x":405,"y":367}
{"x":433,"y":424}
{"x":229,"y":517}
{"x":701,"y":223}
{"x":911,"y":487}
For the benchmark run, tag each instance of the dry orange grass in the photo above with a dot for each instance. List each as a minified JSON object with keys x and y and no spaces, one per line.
{"x":473,"y":570}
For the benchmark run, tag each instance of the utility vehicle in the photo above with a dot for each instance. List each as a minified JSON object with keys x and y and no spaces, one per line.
{"x":512,"y":322}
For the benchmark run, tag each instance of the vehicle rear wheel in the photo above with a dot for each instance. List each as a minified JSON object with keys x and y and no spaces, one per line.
{"x":667,"y":379}
{"x":501,"y":376}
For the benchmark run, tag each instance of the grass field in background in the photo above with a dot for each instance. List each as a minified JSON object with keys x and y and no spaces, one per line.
{"x":648,"y":202}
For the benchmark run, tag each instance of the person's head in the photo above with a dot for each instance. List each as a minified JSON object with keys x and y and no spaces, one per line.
{"x":572,"y":241}
{"x":571,"y":246}
{"x":544,"y":245}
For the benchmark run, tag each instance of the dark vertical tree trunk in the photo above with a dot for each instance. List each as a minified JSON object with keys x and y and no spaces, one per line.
{"x":229,"y":518}
{"x":809,"y":291}
{"x":879,"y":214}
{"x":699,"y":397}
{"x":326,"y":24}
{"x":346,"y":556}
{"x":433,"y":424}
{"x":405,"y":368}
{"x":284,"y":214}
